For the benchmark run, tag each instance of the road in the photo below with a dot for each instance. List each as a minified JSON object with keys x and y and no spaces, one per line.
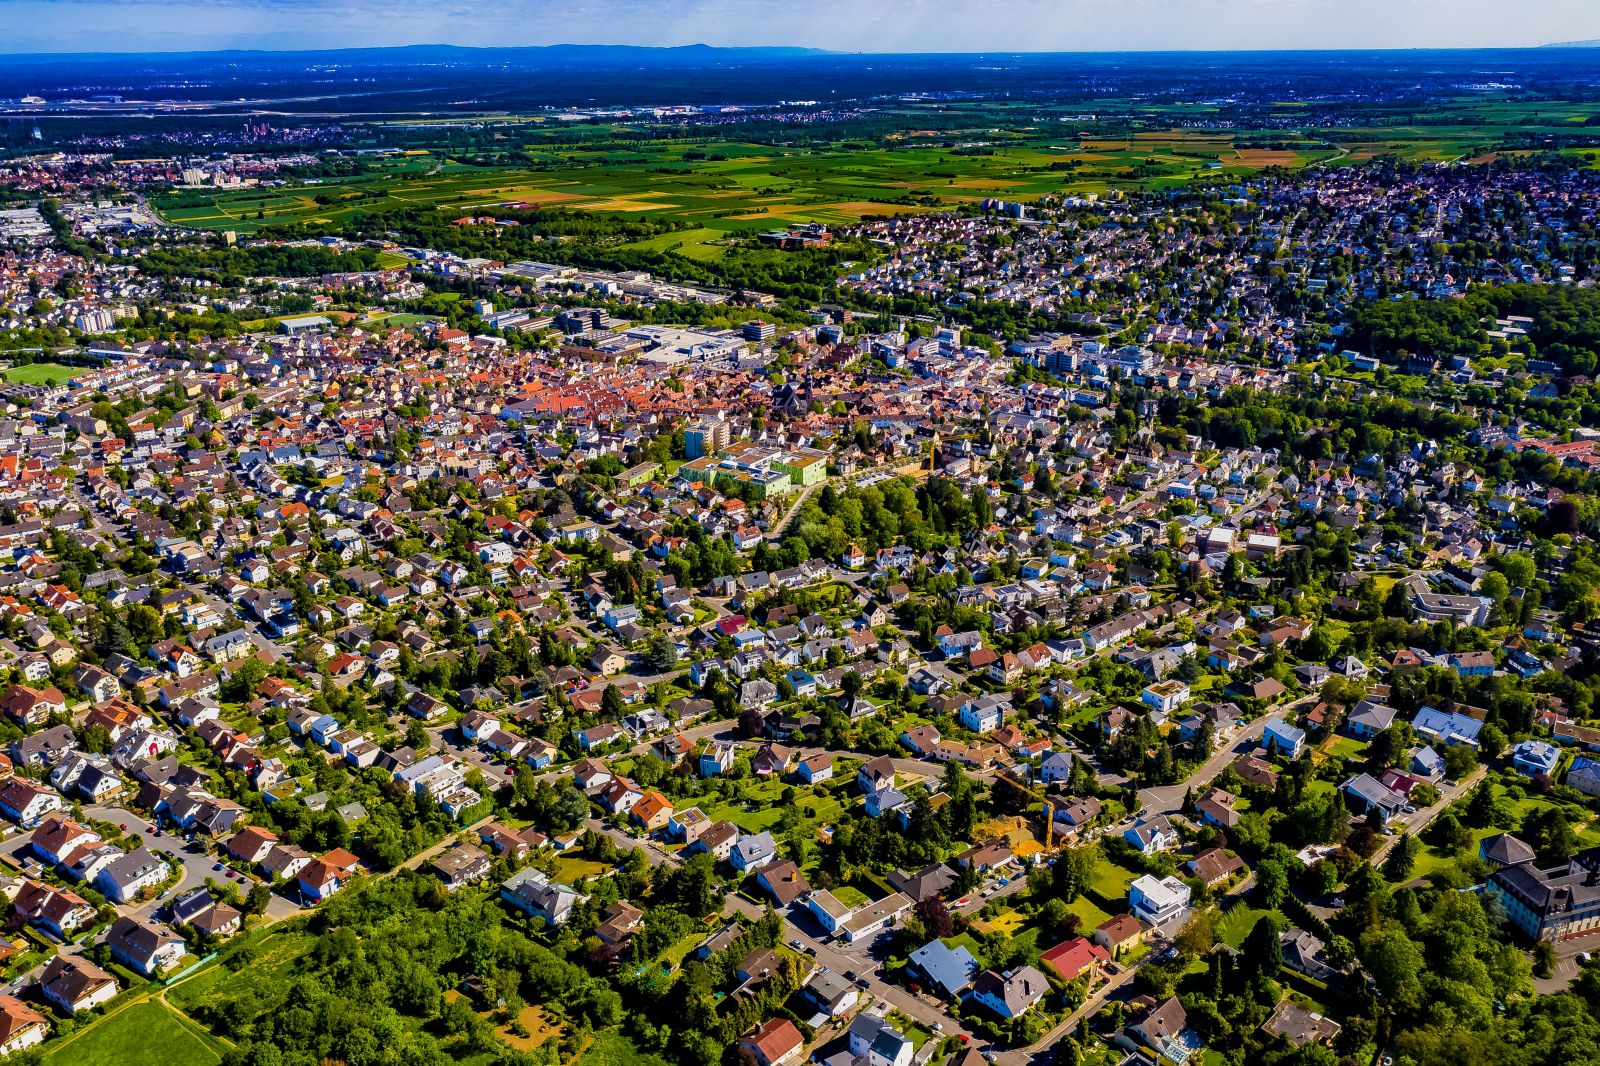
{"x":1423,"y":818}
{"x":1168,"y":799}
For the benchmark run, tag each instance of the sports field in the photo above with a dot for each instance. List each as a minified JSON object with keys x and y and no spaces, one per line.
{"x":43,"y":373}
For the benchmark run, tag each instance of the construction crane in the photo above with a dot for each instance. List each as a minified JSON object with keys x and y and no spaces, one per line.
{"x":1027,"y":788}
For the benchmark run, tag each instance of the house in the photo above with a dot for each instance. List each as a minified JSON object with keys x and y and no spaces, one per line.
{"x":771,"y":759}
{"x":465,"y":864}
{"x":1552,"y":904}
{"x":1472,"y":663}
{"x":876,"y":774}
{"x":26,"y":803}
{"x":984,"y":715}
{"x":922,"y":740}
{"x":1216,"y":808}
{"x":827,"y":910}
{"x":1584,"y":775}
{"x":874,"y":1042}
{"x":815,"y":769}
{"x":1281,"y":738}
{"x":1165,"y":696}
{"x":753,"y":852}
{"x":1255,"y":772}
{"x":32,"y":706}
{"x":1151,"y":835}
{"x":322,"y":877}
{"x":1160,"y":1027}
{"x":1011,"y":994}
{"x":832,"y":992}
{"x":75,"y":984}
{"x":873,"y":918}
{"x":284,"y":861}
{"x":1447,"y":727}
{"x":1302,"y":952}
{"x":774,"y":1043}
{"x":534,"y":894}
{"x":950,"y":971}
{"x":1367,"y":794}
{"x":1157,"y":900}
{"x":144,"y":947}
{"x":1121,"y":934}
{"x":782,"y":881}
{"x":58,"y":911}
{"x":1056,"y":767}
{"x":1367,"y":720}
{"x":1214,"y":866}
{"x":935,"y":880}
{"x":652,"y":812}
{"x":136,"y":872}
{"x":1427,"y":763}
{"x":717,"y":841}
{"x":21,"y":1027}
{"x":1300,"y":1026}
{"x":1075,"y":958}
{"x":1535,"y":757}
{"x":717,"y":759}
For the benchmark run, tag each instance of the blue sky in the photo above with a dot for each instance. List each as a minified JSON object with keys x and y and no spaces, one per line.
{"x":853,"y":25}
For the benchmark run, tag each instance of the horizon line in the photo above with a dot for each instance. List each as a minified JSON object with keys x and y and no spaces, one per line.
{"x":802,"y":51}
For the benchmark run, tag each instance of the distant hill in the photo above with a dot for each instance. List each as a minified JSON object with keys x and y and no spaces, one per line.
{"x":1573,"y":44}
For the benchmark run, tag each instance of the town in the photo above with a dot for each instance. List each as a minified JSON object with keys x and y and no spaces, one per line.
{"x":1130,"y":626}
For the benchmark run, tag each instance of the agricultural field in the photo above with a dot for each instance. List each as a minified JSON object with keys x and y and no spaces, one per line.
{"x":148,"y":1033}
{"x":740,"y":189}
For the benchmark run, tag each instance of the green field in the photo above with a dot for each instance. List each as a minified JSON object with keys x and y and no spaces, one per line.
{"x":145,"y":1034}
{"x":614,"y":1049}
{"x":43,"y":374}
{"x":917,"y":157}
{"x":1237,"y":922}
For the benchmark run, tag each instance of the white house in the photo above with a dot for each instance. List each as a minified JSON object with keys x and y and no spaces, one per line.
{"x":1166,"y":696}
{"x":1157,"y":900}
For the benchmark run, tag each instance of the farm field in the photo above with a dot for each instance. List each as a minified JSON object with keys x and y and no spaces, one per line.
{"x":145,"y":1034}
{"x":730,"y":188}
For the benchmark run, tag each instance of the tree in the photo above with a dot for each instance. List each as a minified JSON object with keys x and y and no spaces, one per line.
{"x":1075,"y":870}
{"x":1273,"y":881}
{"x":1262,"y":949}
{"x":1395,"y":963}
{"x":1402,"y":859}
{"x":936,"y":918}
{"x":255,"y":903}
{"x":611,"y":706}
{"x":1197,"y":936}
{"x":659,"y":653}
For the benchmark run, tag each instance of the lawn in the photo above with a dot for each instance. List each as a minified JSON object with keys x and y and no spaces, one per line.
{"x":1111,"y":882}
{"x":1006,"y":923}
{"x":1237,"y":922}
{"x":1089,"y":916}
{"x":614,"y":1049}
{"x":48,"y":374}
{"x":145,"y":1034}
{"x":570,"y":870}
{"x":850,"y":896}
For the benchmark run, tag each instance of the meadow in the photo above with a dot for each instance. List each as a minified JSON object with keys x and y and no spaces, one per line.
{"x":147,"y":1033}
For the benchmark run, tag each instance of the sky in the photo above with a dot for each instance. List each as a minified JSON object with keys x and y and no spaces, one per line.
{"x":845,"y":25}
